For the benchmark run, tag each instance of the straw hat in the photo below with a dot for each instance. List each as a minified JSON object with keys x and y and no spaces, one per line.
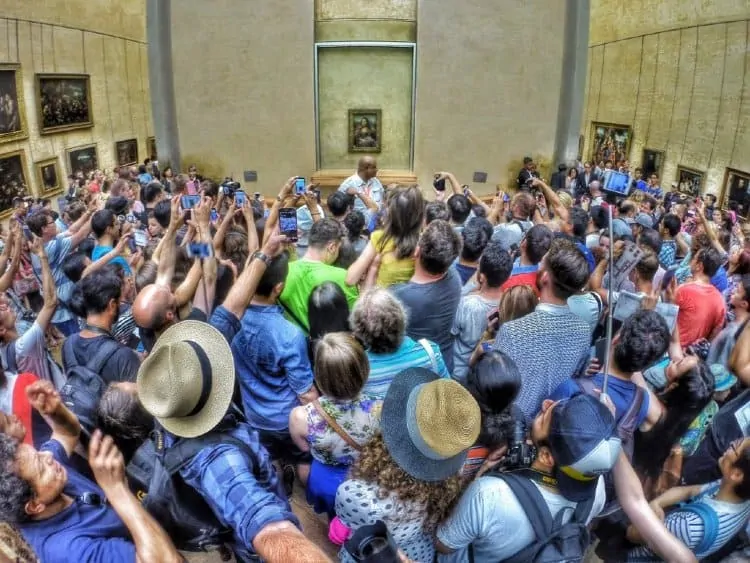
{"x":187,"y":381}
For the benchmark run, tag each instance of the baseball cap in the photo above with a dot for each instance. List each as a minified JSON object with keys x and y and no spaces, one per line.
{"x":584,"y":444}
{"x":645,"y":220}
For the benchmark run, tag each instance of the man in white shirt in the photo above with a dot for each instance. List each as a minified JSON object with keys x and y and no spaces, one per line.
{"x":577,"y":443}
{"x":364,"y":181}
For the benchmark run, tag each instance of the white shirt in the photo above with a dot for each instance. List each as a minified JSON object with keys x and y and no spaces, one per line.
{"x":490,"y":516}
{"x":372,"y":188}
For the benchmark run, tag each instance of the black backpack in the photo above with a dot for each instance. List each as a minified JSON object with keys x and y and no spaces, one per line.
{"x":153,"y":475}
{"x":554,"y":541}
{"x":84,"y":386}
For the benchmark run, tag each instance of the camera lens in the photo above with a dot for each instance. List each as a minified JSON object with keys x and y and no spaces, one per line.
{"x":374,"y":547}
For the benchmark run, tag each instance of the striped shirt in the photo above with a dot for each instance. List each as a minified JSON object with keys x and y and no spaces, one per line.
{"x":688,"y":527}
{"x":411,"y":354}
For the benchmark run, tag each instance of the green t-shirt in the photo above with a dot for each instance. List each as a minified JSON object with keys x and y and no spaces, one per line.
{"x":303,"y":277}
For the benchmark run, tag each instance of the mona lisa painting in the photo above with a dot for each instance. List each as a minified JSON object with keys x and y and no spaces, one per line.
{"x":365,"y":127}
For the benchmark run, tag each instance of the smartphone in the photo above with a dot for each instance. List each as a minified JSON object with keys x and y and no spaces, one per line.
{"x":299,"y":186}
{"x":317,"y":194}
{"x":506,"y":198}
{"x":466,"y":191}
{"x":288,"y":223}
{"x":493,"y":317}
{"x":199,"y":250}
{"x":667,"y":279}
{"x":130,"y":218}
{"x":257,"y":196}
{"x":189,"y":201}
{"x":214,"y":215}
{"x":439,"y":184}
{"x":140,"y":237}
{"x":239,"y":198}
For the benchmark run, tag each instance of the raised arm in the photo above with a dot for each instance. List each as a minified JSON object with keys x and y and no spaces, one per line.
{"x":8,"y":248}
{"x":273,"y":216}
{"x":66,"y":429}
{"x":252,"y":231}
{"x":83,"y":225}
{"x":151,"y":542}
{"x":561,"y":212}
{"x":6,"y":280}
{"x":168,"y":255}
{"x":207,"y":290}
{"x":221,"y":232}
{"x":474,"y":200}
{"x":360,"y":266}
{"x":708,"y":229}
{"x":49,"y":290}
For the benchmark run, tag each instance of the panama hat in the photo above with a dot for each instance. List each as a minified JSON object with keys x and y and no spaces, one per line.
{"x":428,"y":424}
{"x":187,"y":381}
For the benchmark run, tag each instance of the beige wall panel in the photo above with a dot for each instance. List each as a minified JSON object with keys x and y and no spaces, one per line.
{"x":115,"y":68}
{"x":146,"y":108}
{"x":5,"y":41}
{"x":49,"y":62}
{"x":248,"y":105}
{"x":613,"y":20}
{"x":68,"y":50}
{"x":619,"y":82}
{"x":668,"y":57}
{"x":682,"y":99}
{"x":596,"y":60}
{"x":704,"y":107}
{"x":134,"y":87}
{"x":644,"y":99}
{"x":122,"y":18}
{"x":94,"y":47}
{"x":486,"y":101}
{"x":388,"y":74}
{"x":371,"y":9}
{"x":740,"y":157}
{"x":729,"y":108}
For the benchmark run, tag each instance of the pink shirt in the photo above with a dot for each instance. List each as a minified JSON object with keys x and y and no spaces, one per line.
{"x":192,"y":187}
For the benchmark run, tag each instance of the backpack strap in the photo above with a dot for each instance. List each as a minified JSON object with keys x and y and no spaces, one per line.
{"x":586,"y":385}
{"x":10,"y":358}
{"x":430,"y":352}
{"x":184,"y":450}
{"x":105,"y":351}
{"x":628,"y":421}
{"x":710,"y":524}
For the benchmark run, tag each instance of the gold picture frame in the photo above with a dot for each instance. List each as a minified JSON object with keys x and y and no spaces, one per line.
{"x":126,"y":152}
{"x":14,"y":180}
{"x":365,"y":130}
{"x":734,"y":192}
{"x":63,"y":102}
{"x":82,"y":159}
{"x":49,"y":177}
{"x":690,"y":181}
{"x":151,"y":148}
{"x":12,"y":109}
{"x":610,"y":141}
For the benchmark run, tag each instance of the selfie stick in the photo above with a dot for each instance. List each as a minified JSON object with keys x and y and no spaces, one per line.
{"x":609,"y":303}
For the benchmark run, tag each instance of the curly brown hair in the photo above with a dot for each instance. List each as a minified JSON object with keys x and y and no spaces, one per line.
{"x":376,"y":465}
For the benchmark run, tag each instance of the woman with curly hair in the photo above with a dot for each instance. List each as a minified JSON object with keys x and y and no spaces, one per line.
{"x":407,"y":476}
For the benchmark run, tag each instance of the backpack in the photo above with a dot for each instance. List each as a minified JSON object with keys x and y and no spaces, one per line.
{"x":153,"y":474}
{"x":85,"y":386}
{"x":554,"y":541}
{"x":710,"y":525}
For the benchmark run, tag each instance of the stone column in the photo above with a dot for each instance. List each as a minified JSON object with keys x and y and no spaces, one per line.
{"x":161,"y":83}
{"x":572,"y":89}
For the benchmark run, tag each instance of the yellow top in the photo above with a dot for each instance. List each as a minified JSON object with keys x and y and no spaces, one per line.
{"x":392,"y":270}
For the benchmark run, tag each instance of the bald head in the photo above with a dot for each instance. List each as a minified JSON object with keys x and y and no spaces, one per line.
{"x":367,"y":167}
{"x":154,"y":307}
{"x":595,"y":187}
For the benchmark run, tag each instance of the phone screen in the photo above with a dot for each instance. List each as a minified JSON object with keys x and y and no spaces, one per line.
{"x":239,"y":198}
{"x":140,"y":238}
{"x":299,"y":186}
{"x":190,"y":201}
{"x":288,"y":222}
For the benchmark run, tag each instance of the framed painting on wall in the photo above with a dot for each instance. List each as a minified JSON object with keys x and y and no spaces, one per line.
{"x":12,"y":113}
{"x":64,"y":102}
{"x":82,"y":160}
{"x":13,"y":180}
{"x":48,"y":176}
{"x":610,"y":142}
{"x":127,"y":152}
{"x":151,"y":148}
{"x":690,"y":180}
{"x":652,"y":163}
{"x":365,"y":126}
{"x":735,"y":192}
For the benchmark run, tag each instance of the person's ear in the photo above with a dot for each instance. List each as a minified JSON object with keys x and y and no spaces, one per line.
{"x":736,"y":476}
{"x":279,"y":288}
{"x":544,"y":457}
{"x":417,"y":252}
{"x":33,"y":507}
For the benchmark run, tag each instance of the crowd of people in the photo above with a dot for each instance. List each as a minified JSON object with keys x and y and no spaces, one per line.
{"x":431,"y":372}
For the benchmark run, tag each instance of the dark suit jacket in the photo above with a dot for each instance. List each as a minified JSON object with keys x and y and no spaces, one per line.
{"x":583,"y":183}
{"x":524,"y":175}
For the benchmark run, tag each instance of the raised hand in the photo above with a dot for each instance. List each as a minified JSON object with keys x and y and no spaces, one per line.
{"x":43,"y":396}
{"x":106,"y":461}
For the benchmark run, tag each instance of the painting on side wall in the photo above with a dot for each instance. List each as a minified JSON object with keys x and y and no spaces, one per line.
{"x":690,"y":181}
{"x":48,"y":176}
{"x":151,"y":148}
{"x":12,"y":114}
{"x":652,"y":163}
{"x":127,"y":152}
{"x":735,"y":193}
{"x":365,"y":126}
{"x":64,"y":102}
{"x":82,"y":160}
{"x":610,"y":142}
{"x":13,"y":180}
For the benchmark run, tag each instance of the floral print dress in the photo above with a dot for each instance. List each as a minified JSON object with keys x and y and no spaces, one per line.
{"x":360,"y":418}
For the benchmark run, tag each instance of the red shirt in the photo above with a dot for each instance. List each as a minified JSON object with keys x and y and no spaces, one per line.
{"x":702,"y":311}
{"x":522,"y":279}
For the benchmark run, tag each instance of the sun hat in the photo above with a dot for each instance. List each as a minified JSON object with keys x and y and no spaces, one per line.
{"x":187,"y":381}
{"x":428,"y":424}
{"x":584,"y":445}
{"x":723,"y":378}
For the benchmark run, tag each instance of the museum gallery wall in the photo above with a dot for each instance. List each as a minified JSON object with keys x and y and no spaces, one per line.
{"x":71,"y":99}
{"x":679,"y":81}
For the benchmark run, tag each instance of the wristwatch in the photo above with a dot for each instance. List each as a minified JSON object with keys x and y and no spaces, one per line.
{"x":262,"y":257}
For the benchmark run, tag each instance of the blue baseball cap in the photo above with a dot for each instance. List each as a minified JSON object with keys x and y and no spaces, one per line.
{"x":584,"y":443}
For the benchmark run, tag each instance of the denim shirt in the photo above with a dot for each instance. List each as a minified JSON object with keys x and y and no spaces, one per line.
{"x":273,"y":368}
{"x":57,"y":250}
{"x":244,"y":494}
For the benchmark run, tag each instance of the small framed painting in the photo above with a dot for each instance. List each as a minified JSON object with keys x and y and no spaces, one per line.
{"x":127,"y":152}
{"x":652,"y":163}
{"x":690,"y":181}
{"x":12,"y":113}
{"x":82,"y":160}
{"x":64,"y":102}
{"x":48,"y":176}
{"x":735,"y":192}
{"x":365,"y":126}
{"x":610,"y":142}
{"x":151,"y":148}
{"x":13,"y":180}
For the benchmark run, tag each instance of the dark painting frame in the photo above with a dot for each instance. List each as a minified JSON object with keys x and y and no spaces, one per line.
{"x":14,"y":180}
{"x":63,"y":102}
{"x":12,"y":107}
{"x":84,"y":158}
{"x":49,"y":177}
{"x":690,"y":181}
{"x":365,"y":137}
{"x":126,"y":152}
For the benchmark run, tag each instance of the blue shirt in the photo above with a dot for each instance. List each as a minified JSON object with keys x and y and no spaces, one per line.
{"x":464,"y":272}
{"x":57,"y":250}
{"x":244,"y":493}
{"x":100,"y":251}
{"x":273,"y":368}
{"x":620,"y":391}
{"x":145,"y":179}
{"x":80,"y":532}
